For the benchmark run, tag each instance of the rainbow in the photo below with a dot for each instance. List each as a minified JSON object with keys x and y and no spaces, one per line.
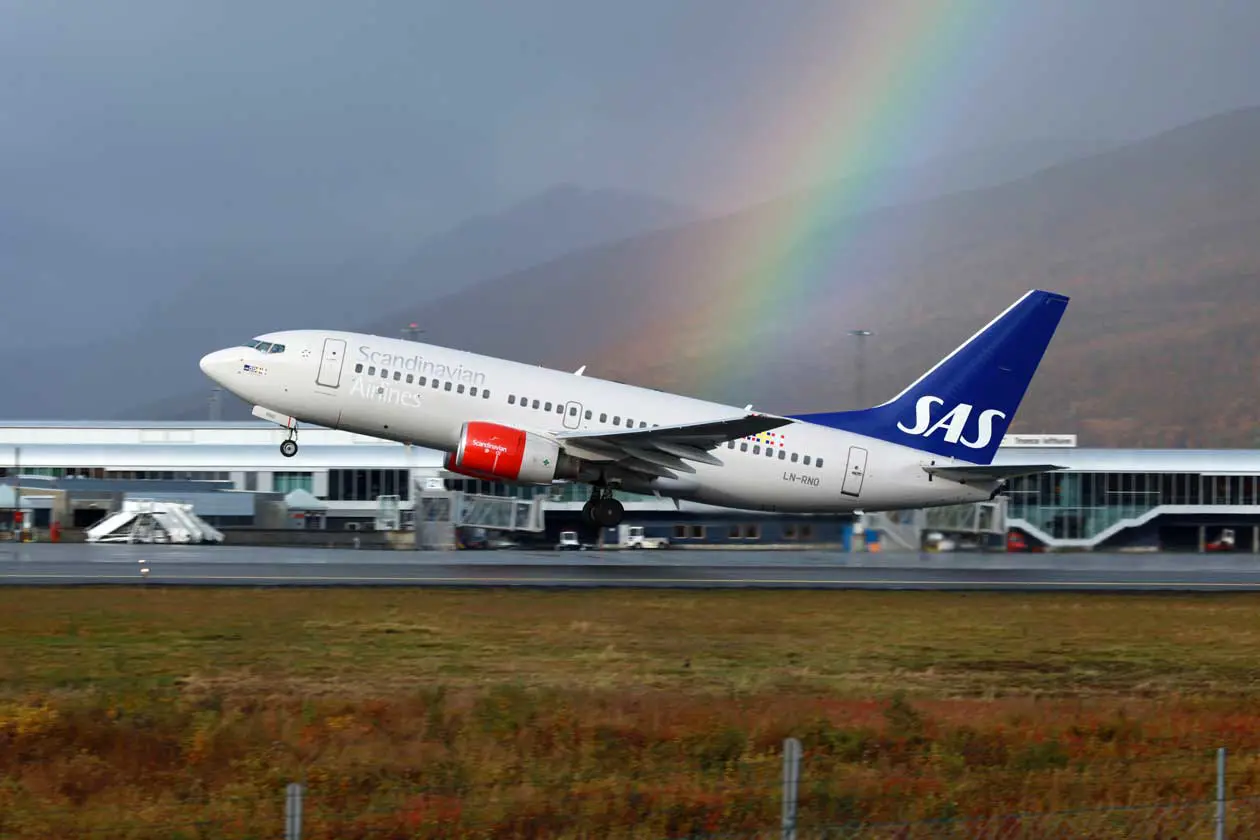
{"x":901,"y":72}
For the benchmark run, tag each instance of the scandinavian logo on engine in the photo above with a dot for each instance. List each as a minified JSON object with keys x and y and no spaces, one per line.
{"x":487,"y":444}
{"x":953,"y":424}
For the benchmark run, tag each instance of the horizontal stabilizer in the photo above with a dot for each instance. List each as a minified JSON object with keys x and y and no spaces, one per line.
{"x":991,"y":472}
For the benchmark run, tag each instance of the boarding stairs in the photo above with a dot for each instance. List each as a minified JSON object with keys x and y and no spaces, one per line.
{"x":152,"y":521}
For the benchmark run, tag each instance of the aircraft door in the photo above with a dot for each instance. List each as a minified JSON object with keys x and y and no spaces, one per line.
{"x":330,"y":365}
{"x":572,"y":415}
{"x":854,"y":472}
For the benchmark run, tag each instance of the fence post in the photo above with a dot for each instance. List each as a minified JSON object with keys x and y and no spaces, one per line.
{"x":293,"y":812}
{"x":791,"y":782}
{"x":1220,"y":794}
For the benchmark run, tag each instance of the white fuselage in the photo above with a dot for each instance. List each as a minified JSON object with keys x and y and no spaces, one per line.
{"x":423,"y":394}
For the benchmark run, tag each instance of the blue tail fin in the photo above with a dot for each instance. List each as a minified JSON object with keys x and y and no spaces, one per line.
{"x":962,"y":407}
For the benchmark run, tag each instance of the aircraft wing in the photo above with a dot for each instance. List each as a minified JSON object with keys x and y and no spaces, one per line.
{"x":991,"y":473}
{"x":665,"y":450}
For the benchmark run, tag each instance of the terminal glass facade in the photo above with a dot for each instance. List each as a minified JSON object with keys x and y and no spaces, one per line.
{"x":368,"y":485}
{"x":286,"y":482}
{"x":1081,"y":505}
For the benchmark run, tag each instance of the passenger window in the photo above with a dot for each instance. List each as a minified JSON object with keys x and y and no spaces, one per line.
{"x":603,"y":418}
{"x":807,"y":460}
{"x":818,"y":463}
{"x":410,"y":379}
{"x":782,"y":454}
{"x":436,"y":384}
{"x":642,"y":424}
{"x":511,"y":399}
{"x":398,"y":376}
{"x":460,"y":389}
{"x":794,"y":457}
{"x":589,"y":414}
{"x":384,"y":374}
{"x":756,"y":450}
{"x":447,"y":386}
{"x":472,"y":392}
{"x":559,"y":409}
{"x":421,"y":381}
{"x":535,"y":404}
{"x":485,"y":395}
{"x":629,"y":423}
{"x":743,"y":447}
{"x":372,"y":371}
{"x":358,"y":368}
{"x":573,"y":411}
{"x":547,"y":407}
{"x":769,"y":452}
{"x":616,"y":419}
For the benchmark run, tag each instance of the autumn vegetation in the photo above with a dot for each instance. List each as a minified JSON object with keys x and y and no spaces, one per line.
{"x":441,"y":713}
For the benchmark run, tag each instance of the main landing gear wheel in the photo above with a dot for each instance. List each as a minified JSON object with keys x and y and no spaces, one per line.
{"x":289,"y":448}
{"x":603,"y":510}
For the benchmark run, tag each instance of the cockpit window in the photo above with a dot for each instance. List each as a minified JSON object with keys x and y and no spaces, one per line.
{"x":265,"y":346}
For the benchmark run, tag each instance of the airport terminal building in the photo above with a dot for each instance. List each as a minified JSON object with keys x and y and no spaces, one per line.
{"x":234,"y":475}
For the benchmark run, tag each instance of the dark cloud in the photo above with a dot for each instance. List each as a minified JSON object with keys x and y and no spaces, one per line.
{"x":328,"y":130}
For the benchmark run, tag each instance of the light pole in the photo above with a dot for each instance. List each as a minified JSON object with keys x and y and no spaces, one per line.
{"x":861,"y":336}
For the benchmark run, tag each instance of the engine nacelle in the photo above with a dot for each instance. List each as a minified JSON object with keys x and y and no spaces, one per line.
{"x":501,"y":453}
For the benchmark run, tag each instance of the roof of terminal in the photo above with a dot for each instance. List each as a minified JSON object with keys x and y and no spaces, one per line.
{"x":1210,"y":461}
{"x":141,"y":424}
{"x":221,"y":457}
{"x":368,"y":454}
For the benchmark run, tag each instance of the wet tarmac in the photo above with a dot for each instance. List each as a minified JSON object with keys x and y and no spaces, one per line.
{"x":66,"y":564}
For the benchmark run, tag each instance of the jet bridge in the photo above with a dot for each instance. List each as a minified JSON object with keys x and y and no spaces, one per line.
{"x":438,"y":513}
{"x":981,"y":522}
{"x":151,"y":521}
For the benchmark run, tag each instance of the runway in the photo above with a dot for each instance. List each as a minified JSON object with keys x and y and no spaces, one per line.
{"x":65,"y":564}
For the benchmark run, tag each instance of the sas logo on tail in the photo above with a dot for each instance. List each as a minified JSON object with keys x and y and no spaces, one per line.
{"x":954,"y":424}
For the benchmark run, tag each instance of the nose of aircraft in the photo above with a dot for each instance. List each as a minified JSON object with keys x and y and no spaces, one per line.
{"x":218,"y":364}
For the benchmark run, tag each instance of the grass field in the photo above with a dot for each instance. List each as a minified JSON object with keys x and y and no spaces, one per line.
{"x":605,"y":713}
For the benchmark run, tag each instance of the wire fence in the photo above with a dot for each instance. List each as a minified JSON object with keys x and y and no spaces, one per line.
{"x":787,"y":795}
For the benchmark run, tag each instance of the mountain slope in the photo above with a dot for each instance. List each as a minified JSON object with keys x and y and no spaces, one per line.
{"x":1156,"y":242}
{"x":224,"y":298}
{"x":565,"y":276}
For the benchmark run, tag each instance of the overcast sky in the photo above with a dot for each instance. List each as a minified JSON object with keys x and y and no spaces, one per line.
{"x":340,"y":126}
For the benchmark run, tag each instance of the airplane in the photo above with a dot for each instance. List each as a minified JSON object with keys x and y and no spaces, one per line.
{"x":499,"y":420}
